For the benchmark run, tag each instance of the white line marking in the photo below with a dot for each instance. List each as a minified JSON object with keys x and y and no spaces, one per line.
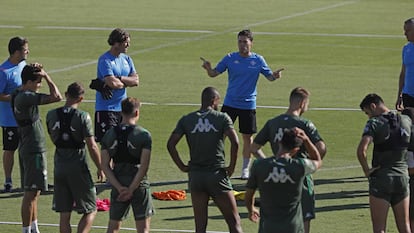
{"x":128,"y":29}
{"x":10,"y":26}
{"x":330,"y":35}
{"x":258,"y":106}
{"x":302,"y":13}
{"x":172,"y":44}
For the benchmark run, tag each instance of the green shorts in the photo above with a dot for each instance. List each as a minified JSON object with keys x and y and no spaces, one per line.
{"x":73,"y":189}
{"x":308,"y":199}
{"x":212,"y":182}
{"x":393,"y":189}
{"x":35,"y":173}
{"x":141,"y":203}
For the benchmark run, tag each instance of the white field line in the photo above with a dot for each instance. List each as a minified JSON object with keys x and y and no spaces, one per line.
{"x":11,"y":26}
{"x":302,"y":13}
{"x":173,"y":44}
{"x":105,"y":227}
{"x":128,"y":29}
{"x":330,"y":35}
{"x":258,"y":106}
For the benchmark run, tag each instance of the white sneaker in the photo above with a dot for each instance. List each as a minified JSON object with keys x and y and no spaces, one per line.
{"x":245,"y":174}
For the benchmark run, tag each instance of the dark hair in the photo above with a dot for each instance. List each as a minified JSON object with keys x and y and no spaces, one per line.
{"x":118,"y":35}
{"x":409,"y":21}
{"x":371,"y":99}
{"x":16,"y":44}
{"x":299,"y":93}
{"x":246,"y":32}
{"x":75,"y":90}
{"x":29,"y":72}
{"x":208,"y":94}
{"x":129,"y":105}
{"x":290,"y":140}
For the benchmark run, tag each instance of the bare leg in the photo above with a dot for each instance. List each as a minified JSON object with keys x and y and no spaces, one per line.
{"x":85,"y":223}
{"x":29,"y":207}
{"x":64,"y":224}
{"x":200,"y":208}
{"x":228,"y":207}
{"x":247,"y":142}
{"x":307,"y":226}
{"x":8,"y":162}
{"x":143,"y":226}
{"x":379,"y":211}
{"x":401,"y":214}
{"x":113,"y":226}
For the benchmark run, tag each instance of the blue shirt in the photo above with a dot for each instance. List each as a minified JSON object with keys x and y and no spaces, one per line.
{"x":408,"y":62}
{"x":10,"y":79}
{"x":243,"y":73}
{"x":109,"y":65}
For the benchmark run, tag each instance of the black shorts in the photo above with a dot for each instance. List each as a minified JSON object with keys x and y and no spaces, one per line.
{"x":10,"y":138}
{"x":247,"y":118}
{"x":408,"y":100}
{"x":104,"y":120}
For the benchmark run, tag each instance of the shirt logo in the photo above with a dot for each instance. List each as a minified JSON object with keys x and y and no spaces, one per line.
{"x":278,"y":135}
{"x":203,"y":126}
{"x":279,"y":176}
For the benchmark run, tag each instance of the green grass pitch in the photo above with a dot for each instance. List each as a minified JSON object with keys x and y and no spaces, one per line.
{"x":338,"y":49}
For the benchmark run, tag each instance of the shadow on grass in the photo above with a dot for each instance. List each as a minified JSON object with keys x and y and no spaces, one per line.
{"x":342,"y":207}
{"x":100,"y":187}
{"x":358,"y":179}
{"x":342,"y":194}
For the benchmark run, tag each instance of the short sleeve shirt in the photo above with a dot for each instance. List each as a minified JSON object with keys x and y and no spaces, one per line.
{"x":109,"y":65}
{"x":272,"y":131}
{"x":204,"y":131}
{"x":81,"y":128}
{"x":10,"y":80}
{"x":243,"y":74}
{"x":280,"y":182}
{"x":32,"y":137}
{"x":391,"y":162}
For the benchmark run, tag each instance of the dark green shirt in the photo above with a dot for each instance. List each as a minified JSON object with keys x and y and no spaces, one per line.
{"x":138,"y":139}
{"x":32,"y":135}
{"x":272,"y":131}
{"x":81,"y":127}
{"x":392,"y":162}
{"x":280,"y":184}
{"x":204,"y":131}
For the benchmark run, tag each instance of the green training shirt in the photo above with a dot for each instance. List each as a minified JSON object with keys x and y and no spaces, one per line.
{"x":204,"y":131}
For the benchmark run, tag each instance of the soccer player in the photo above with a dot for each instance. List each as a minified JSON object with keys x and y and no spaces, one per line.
{"x":70,"y":129}
{"x":388,"y":175}
{"x":10,"y":79}
{"x":115,"y":72}
{"x":410,"y":163}
{"x":405,"y":95}
{"x":208,"y":175}
{"x":32,"y":147}
{"x":279,"y":179}
{"x":244,"y":68}
{"x":128,"y":145}
{"x":272,"y":132}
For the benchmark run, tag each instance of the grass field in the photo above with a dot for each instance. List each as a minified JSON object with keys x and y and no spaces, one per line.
{"x":339,"y":50}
